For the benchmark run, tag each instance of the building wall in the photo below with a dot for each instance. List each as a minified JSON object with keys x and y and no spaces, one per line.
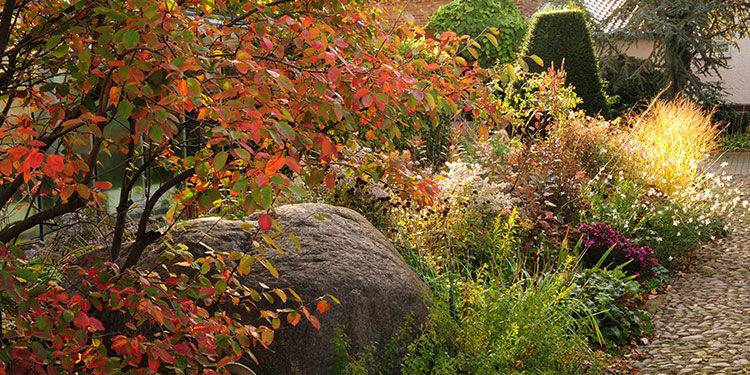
{"x":737,"y":77}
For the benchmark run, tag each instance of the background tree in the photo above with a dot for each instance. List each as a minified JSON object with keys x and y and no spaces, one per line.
{"x":689,"y":36}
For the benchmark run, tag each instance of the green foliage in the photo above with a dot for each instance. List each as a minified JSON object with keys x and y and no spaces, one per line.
{"x":736,"y":142}
{"x":606,"y":296}
{"x":526,"y":327}
{"x":560,"y":35}
{"x":496,"y":25}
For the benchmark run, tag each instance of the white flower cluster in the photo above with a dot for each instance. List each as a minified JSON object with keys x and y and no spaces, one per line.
{"x":463,"y":184}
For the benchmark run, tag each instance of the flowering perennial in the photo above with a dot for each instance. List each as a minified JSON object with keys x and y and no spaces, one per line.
{"x":600,"y":237}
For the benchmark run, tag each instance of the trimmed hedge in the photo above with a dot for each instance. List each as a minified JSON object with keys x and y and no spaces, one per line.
{"x":560,"y":35}
{"x":474,"y":17}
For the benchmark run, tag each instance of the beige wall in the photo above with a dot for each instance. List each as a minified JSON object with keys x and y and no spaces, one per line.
{"x":737,"y":77}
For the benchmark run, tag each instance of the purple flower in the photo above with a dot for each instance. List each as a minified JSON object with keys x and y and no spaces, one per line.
{"x":600,"y":237}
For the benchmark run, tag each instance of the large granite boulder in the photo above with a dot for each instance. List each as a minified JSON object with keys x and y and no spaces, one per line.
{"x":341,"y":254}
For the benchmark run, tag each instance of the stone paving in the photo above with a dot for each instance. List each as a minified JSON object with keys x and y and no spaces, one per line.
{"x":703,"y":324}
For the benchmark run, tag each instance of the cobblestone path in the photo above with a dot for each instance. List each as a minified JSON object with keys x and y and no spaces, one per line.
{"x":703,"y":324}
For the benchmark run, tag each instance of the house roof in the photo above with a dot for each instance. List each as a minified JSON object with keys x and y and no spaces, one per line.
{"x":600,"y":11}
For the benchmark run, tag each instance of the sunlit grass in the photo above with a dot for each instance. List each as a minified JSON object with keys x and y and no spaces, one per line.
{"x":669,"y":143}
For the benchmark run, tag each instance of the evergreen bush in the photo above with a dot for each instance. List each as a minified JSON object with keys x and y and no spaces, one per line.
{"x":560,"y":35}
{"x":475,"y":18}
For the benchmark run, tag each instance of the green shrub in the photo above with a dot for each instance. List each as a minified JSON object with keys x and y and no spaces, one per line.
{"x":475,"y":18}
{"x":605,"y":296}
{"x":560,"y":35}
{"x":736,"y":142}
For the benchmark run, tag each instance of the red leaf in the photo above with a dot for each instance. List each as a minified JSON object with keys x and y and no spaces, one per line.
{"x":265,"y":221}
{"x":34,"y":159}
{"x":367,"y":100}
{"x":153,"y":363}
{"x":323,"y":306}
{"x":330,"y":181}
{"x":81,"y":320}
{"x":333,"y":74}
{"x":103,"y":185}
{"x":56,"y":162}
{"x":267,"y":44}
{"x":96,"y":324}
{"x":119,"y":344}
{"x":292,"y":164}
{"x":293,"y":318}
{"x":362,"y":92}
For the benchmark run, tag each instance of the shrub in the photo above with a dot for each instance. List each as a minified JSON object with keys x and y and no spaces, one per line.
{"x":600,"y":238}
{"x":605,"y":295}
{"x":481,"y":17}
{"x":531,"y":102}
{"x":668,"y":145}
{"x":736,"y":142}
{"x":563,"y":35}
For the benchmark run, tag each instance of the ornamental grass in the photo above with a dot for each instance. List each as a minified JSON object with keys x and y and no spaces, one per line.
{"x":669,"y":144}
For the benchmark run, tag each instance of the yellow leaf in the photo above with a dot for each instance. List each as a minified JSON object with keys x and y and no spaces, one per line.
{"x":492,"y":39}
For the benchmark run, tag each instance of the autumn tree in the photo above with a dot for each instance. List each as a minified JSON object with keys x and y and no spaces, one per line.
{"x":277,"y":91}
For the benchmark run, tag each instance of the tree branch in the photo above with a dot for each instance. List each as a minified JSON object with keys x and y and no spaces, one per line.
{"x":144,"y":237}
{"x":14,"y":230}
{"x":5,"y":22}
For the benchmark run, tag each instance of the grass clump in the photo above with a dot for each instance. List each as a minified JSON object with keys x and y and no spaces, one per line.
{"x":669,"y":143}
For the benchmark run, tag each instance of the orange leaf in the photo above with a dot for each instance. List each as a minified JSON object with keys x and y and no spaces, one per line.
{"x":361,"y":92}
{"x":83,"y":191}
{"x":274,"y":165}
{"x":223,"y":362}
{"x":182,"y":87}
{"x":6,"y":167}
{"x":56,"y":163}
{"x":114,"y":95}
